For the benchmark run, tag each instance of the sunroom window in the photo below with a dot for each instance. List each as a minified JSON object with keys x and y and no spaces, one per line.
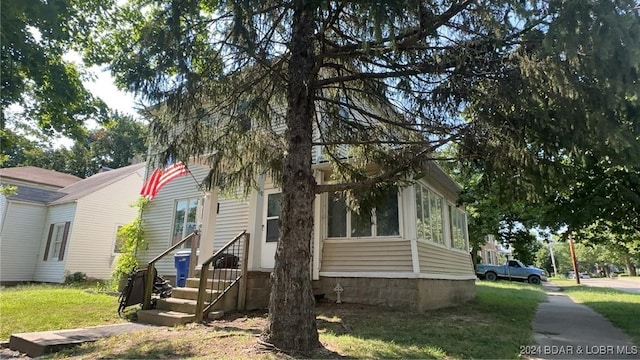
{"x":429,"y":215}
{"x":382,"y":221}
{"x":458,"y":228}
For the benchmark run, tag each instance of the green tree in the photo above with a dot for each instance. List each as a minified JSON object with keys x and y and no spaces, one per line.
{"x":34,"y":37}
{"x":386,"y":79}
{"x":116,"y":143}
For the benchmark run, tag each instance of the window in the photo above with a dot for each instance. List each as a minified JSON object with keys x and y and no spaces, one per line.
{"x":187,"y":216}
{"x":429,"y":215}
{"x":58,"y":234}
{"x":458,"y":228}
{"x":273,"y":216}
{"x":119,"y":241}
{"x":56,"y":241}
{"x":382,"y":221}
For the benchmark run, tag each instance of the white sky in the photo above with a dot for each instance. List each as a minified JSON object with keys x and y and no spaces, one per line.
{"x":103,"y":87}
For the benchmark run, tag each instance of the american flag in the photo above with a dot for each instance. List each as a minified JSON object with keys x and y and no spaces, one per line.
{"x":160,"y":178}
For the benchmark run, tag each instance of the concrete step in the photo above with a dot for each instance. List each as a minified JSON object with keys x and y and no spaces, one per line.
{"x":165,"y":317}
{"x":190,"y":293}
{"x":176,"y":304}
{"x":211,"y":283}
{"x":40,"y":343}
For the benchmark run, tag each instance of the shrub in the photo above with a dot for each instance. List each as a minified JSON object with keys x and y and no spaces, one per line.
{"x":132,"y":236}
{"x":76,"y":277}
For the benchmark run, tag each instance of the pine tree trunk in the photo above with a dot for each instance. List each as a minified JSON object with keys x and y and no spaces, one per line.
{"x":292,"y":319}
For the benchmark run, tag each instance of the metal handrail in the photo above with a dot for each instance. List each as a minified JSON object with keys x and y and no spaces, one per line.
{"x":200,"y":307}
{"x":148,"y":286}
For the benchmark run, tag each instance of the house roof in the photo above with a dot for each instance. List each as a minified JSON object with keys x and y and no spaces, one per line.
{"x":96,"y":182}
{"x":34,"y":195}
{"x":38,"y":175}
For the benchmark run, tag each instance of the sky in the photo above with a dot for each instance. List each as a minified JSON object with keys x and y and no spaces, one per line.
{"x":104,"y":88}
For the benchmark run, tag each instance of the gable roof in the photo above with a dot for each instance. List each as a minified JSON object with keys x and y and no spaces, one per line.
{"x":38,"y":175}
{"x":96,"y":182}
{"x":34,"y":195}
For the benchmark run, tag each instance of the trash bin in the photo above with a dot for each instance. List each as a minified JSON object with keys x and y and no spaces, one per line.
{"x":182,"y":267}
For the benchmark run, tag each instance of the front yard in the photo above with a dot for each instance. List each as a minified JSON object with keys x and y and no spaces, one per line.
{"x":29,"y":308}
{"x":494,"y":325}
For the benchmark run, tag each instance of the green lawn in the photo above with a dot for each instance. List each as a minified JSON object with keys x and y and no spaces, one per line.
{"x":52,"y":307}
{"x":621,"y":308}
{"x":493,"y":325}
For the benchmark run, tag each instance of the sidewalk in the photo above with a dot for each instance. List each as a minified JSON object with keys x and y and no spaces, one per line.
{"x":564,"y":329}
{"x":41,"y":343}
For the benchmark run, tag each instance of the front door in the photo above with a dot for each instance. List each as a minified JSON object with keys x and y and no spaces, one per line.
{"x":270,"y":228}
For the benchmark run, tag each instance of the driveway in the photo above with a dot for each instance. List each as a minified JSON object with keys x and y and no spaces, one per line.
{"x":622,"y":284}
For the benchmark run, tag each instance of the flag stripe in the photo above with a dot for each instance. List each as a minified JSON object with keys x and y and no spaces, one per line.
{"x":172,"y":172}
{"x":148,"y":190}
{"x":160,"y":178}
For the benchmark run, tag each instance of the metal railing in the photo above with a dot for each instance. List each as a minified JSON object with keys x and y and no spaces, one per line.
{"x":151,"y":270}
{"x":226,"y":261}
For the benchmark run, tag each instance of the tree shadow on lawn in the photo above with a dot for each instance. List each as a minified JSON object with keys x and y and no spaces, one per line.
{"x":493,"y":327}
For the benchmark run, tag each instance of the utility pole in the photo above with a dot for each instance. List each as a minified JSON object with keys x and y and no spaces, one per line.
{"x":572,"y":250}
{"x":553,"y":260}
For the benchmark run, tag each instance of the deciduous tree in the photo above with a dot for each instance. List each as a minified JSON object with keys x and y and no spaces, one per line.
{"x":44,"y":88}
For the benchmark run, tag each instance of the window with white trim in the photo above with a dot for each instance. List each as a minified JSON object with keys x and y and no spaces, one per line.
{"x":382,"y":221}
{"x":458,"y":228}
{"x":429,"y":215}
{"x":187,"y":215}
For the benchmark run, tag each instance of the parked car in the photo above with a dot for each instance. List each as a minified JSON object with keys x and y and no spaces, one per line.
{"x":512,"y":270}
{"x":583,"y":275}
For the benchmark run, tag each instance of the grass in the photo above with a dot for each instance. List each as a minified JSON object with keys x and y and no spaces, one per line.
{"x":621,"y":308}
{"x":493,"y":325}
{"x":29,"y":308}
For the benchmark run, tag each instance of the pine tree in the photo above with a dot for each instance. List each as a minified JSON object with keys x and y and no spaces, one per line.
{"x":387,"y":80}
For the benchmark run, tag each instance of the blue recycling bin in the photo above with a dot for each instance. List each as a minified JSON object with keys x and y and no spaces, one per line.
{"x":181,"y":259}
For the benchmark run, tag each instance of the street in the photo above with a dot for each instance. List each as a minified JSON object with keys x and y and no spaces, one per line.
{"x":631,"y":285}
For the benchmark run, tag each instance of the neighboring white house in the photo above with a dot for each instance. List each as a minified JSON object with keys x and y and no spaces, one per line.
{"x":47,"y":232}
{"x":412,"y":252}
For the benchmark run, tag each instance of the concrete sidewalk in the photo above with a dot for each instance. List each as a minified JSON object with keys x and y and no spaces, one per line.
{"x":568,"y":330}
{"x":41,"y":343}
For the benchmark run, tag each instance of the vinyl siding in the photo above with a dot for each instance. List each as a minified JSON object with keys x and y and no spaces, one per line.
{"x":158,"y":218}
{"x":98,"y":215}
{"x":53,"y":270}
{"x":436,"y":259}
{"x":20,"y":240}
{"x":366,"y":256}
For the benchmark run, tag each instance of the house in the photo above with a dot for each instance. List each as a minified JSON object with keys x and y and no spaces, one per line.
{"x":56,"y":224}
{"x":411,"y":253}
{"x":490,"y":251}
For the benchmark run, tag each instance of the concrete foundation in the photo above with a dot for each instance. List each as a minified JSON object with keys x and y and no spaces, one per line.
{"x":411,"y":294}
{"x":258,"y":290}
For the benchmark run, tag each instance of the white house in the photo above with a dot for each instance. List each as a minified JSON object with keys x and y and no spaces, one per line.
{"x":412,"y":252}
{"x":47,"y":233}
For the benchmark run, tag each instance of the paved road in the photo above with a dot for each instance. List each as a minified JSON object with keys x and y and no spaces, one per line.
{"x":622,"y":284}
